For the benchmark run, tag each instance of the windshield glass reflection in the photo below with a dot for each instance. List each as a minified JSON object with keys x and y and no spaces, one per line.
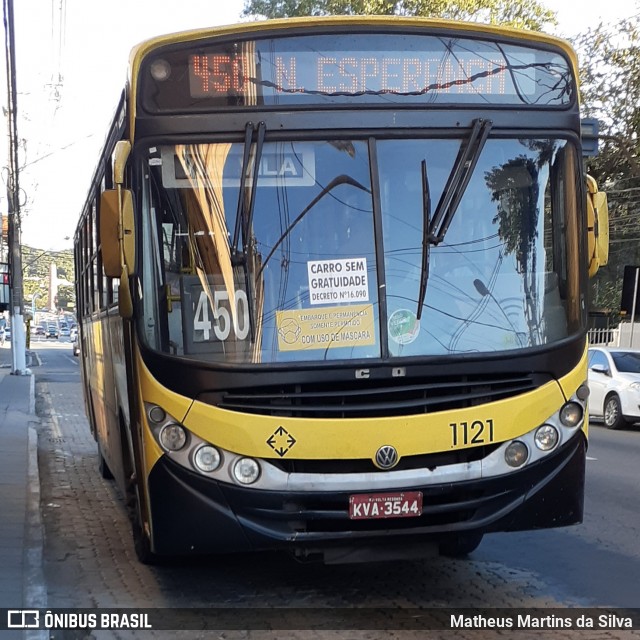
{"x":282,"y":265}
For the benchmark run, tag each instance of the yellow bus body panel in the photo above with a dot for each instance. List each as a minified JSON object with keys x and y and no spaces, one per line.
{"x":173,"y":403}
{"x":573,"y":380}
{"x":575,"y":377}
{"x":356,"y":438}
{"x":262,"y":436}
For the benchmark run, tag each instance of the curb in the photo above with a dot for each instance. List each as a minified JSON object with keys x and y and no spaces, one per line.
{"x":34,"y":587}
{"x":35,"y":592}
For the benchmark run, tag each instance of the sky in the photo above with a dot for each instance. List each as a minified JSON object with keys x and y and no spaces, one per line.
{"x":72,"y":57}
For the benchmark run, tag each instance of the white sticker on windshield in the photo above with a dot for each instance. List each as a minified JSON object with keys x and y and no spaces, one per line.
{"x":344,"y":280}
{"x":200,"y":165}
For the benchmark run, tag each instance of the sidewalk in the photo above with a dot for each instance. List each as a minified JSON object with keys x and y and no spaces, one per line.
{"x":21,"y":537}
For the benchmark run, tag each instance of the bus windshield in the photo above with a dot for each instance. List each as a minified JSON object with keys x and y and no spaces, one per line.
{"x":313,"y":250}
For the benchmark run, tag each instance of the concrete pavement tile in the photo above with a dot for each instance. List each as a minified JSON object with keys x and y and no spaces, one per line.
{"x":11,"y":535}
{"x":10,"y":592}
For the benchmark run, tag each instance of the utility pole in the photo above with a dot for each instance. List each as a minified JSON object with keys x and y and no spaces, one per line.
{"x":18,"y":339}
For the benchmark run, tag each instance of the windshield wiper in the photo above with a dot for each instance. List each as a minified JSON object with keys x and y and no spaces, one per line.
{"x":434,"y":229}
{"x":426,"y":223}
{"x":458,"y":180}
{"x":244,"y":214}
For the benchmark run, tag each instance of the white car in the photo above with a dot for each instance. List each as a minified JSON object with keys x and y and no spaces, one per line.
{"x":614,"y":384}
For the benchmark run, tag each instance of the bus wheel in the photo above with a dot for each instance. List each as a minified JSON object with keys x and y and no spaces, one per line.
{"x":612,"y":413}
{"x":141,"y":541}
{"x":103,"y":467}
{"x":458,"y":545}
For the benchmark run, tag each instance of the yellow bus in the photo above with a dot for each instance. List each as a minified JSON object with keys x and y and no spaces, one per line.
{"x":332,"y":284}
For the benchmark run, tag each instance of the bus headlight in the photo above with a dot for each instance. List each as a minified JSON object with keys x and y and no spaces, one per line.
{"x":246,"y":471}
{"x":571,"y":414}
{"x":207,"y":458}
{"x":546,"y":437}
{"x":173,"y":437}
{"x":516,"y":454}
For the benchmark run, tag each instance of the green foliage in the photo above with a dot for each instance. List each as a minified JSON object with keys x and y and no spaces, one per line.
{"x":522,"y":14}
{"x":610,"y":74}
{"x":36,"y":267}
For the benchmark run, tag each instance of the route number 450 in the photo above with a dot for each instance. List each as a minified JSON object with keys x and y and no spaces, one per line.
{"x":224,"y":322}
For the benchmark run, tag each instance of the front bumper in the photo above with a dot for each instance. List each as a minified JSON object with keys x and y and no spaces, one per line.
{"x":192,"y":514}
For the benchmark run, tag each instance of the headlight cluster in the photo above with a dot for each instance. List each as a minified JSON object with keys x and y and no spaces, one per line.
{"x":173,"y":437}
{"x":207,"y":458}
{"x":190,"y":451}
{"x":548,"y":436}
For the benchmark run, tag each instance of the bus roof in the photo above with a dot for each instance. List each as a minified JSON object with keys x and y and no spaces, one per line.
{"x":245,"y":28}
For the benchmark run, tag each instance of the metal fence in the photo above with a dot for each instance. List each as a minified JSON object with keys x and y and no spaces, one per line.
{"x":605,"y":337}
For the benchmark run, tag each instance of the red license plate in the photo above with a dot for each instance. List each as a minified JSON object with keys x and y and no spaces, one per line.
{"x":366,"y":506}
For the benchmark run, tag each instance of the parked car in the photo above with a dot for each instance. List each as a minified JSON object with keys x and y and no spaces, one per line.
{"x":614,"y":384}
{"x":75,"y":345}
{"x":41,"y":330}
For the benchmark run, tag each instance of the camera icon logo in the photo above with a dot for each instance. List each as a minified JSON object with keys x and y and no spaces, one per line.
{"x":23,"y":619}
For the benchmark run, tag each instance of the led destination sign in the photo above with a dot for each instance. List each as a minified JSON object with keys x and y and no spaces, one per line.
{"x":351,"y":74}
{"x":358,"y":68}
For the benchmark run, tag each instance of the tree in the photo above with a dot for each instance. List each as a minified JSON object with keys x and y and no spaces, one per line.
{"x":610,"y":75}
{"x":36,"y":264}
{"x":523,"y":14}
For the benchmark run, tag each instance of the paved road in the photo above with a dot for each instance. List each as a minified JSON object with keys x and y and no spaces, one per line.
{"x":598,"y":562}
{"x":90,"y":561}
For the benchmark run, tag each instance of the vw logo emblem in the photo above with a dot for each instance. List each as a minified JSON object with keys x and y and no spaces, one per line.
{"x":386,"y":457}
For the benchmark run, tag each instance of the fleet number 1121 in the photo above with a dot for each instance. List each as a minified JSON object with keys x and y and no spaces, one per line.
{"x":476,"y":432}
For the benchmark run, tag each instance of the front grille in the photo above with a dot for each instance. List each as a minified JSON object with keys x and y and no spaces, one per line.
{"x":374,"y":398}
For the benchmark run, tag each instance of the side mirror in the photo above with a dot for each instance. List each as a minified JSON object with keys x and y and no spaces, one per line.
{"x":110,"y":247}
{"x":117,"y":233}
{"x":117,"y":237}
{"x":600,"y":368}
{"x":597,"y":227}
{"x":127,"y":235}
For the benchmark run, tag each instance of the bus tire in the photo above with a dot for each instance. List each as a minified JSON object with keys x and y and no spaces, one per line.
{"x":459,"y":545}
{"x":103,"y":467}
{"x":141,"y":541}
{"x":612,"y":413}
{"x":142,"y":544}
